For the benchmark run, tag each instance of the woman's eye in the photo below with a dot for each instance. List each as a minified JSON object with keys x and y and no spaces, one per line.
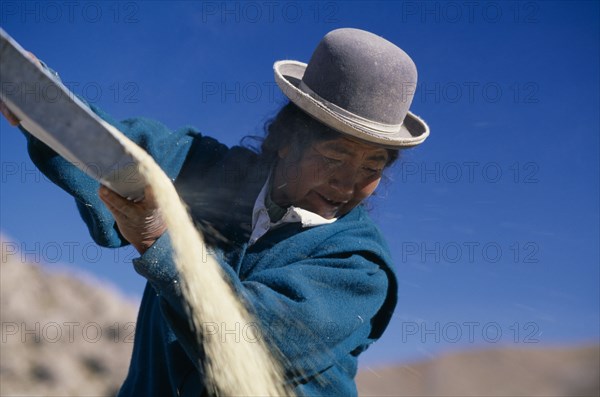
{"x":332,"y":161}
{"x":372,"y":171}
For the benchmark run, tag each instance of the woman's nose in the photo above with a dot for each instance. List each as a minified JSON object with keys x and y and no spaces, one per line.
{"x":343,"y":181}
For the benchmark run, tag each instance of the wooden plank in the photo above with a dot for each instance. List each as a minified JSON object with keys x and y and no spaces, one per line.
{"x":53,"y":114}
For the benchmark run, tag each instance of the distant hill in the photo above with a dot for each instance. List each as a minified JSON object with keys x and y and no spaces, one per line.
{"x":68,"y":335}
{"x":62,"y":335}
{"x":501,"y":372}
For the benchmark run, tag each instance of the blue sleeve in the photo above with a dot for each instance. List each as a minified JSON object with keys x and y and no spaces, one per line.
{"x":313,"y":311}
{"x":317,"y":310}
{"x":158,"y":267}
{"x":169,"y":150}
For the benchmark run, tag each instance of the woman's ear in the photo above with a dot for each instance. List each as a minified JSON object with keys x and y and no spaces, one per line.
{"x":283,"y":152}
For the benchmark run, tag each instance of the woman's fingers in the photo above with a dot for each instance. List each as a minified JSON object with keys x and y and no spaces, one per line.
{"x":10,"y":117}
{"x":115,"y":202}
{"x":140,"y":223}
{"x":33,"y":57}
{"x":149,"y":199}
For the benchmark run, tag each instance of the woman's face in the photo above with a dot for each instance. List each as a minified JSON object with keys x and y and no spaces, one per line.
{"x":329,"y":178}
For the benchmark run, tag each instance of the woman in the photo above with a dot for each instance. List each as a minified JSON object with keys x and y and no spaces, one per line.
{"x":286,"y":224}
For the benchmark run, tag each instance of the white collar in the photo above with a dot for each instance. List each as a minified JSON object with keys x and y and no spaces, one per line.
{"x":261,"y":223}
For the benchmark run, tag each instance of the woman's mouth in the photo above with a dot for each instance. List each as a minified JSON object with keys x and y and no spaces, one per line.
{"x":332,"y":205}
{"x":332,"y":202}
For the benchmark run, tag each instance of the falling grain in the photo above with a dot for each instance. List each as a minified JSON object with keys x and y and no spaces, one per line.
{"x":234,"y":367}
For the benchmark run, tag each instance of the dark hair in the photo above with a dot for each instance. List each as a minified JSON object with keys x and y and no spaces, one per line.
{"x":292,"y":126}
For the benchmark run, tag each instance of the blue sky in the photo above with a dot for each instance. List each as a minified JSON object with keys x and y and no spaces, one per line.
{"x":493,"y":222}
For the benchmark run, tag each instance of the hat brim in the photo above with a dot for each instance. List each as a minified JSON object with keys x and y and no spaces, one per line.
{"x":413,"y":130}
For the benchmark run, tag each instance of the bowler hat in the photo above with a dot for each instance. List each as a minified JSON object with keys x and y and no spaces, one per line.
{"x":359,"y":84}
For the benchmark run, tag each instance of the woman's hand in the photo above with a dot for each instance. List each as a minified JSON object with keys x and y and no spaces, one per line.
{"x":10,"y":117}
{"x":140,"y":223}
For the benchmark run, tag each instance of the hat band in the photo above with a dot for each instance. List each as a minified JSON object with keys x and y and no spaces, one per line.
{"x":348,"y":116}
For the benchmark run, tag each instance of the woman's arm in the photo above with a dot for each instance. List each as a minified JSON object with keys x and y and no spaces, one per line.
{"x":315,"y":311}
{"x":169,"y":149}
